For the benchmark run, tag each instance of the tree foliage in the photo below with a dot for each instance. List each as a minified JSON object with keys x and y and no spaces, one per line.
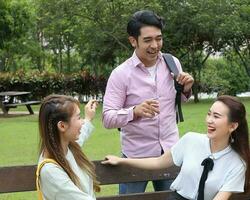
{"x":224,"y":77}
{"x":15,"y":24}
{"x":72,"y":35}
{"x":197,"y":29}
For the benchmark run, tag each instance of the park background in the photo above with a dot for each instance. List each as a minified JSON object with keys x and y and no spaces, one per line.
{"x":71,"y":46}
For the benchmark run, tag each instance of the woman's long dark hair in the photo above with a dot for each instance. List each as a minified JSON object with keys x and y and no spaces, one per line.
{"x":57,"y":108}
{"x":237,"y":113}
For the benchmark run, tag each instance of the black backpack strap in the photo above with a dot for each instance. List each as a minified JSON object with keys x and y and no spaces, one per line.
{"x":168,"y":58}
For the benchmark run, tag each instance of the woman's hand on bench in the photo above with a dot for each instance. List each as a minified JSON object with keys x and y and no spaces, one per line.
{"x":154,"y":163}
{"x":111,"y":160}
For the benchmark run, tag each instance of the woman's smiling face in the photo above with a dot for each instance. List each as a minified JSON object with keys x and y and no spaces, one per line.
{"x":218,"y":123}
{"x":74,"y":126}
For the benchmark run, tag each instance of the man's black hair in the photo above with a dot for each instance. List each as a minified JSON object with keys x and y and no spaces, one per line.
{"x":143,"y":18}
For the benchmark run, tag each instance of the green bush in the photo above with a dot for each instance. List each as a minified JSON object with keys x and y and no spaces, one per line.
{"x":224,"y":77}
{"x":45,"y":83}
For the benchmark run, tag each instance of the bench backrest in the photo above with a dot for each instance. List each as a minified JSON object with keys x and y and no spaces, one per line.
{"x":22,"y":178}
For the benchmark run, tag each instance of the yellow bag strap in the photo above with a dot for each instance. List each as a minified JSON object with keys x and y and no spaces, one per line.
{"x":39,"y":167}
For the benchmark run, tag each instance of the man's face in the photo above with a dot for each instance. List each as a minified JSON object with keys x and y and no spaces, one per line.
{"x":148,"y":44}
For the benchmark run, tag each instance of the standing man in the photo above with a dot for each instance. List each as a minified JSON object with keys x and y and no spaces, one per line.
{"x":140,"y":97}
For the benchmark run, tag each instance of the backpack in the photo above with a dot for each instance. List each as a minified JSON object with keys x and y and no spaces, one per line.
{"x":168,"y":58}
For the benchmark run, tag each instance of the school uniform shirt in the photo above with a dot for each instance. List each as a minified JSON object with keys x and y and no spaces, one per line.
{"x":56,"y":184}
{"x":129,"y":85}
{"x":228,"y":173}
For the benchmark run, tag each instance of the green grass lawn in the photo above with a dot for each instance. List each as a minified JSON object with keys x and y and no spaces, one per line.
{"x":19,"y":139}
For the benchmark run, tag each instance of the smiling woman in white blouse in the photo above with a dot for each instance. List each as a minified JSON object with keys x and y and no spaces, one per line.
{"x":213,"y":165}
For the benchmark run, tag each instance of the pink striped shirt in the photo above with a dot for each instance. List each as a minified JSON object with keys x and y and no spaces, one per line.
{"x":129,"y":85}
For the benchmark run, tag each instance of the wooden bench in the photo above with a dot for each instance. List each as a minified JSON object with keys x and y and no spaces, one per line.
{"x":22,"y":178}
{"x":7,"y":106}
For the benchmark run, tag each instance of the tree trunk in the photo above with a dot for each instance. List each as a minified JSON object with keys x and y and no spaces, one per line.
{"x":60,"y":56}
{"x":195,"y":88}
{"x":2,"y":64}
{"x":42,"y":57}
{"x":68,"y":58}
{"x":37,"y":60}
{"x":245,"y":61}
{"x":55,"y":62}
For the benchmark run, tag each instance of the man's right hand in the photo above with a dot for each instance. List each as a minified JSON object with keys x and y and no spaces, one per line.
{"x":148,"y":108}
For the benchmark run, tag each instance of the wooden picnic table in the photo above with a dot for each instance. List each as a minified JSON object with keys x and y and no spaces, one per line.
{"x":12,"y":99}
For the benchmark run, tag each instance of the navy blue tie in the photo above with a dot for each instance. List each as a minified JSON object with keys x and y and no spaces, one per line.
{"x":208,"y":164}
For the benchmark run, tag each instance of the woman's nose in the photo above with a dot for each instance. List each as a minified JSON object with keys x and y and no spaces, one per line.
{"x":209,"y":119}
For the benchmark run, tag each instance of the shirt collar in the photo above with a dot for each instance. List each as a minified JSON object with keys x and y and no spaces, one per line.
{"x":137,"y":62}
{"x":219,"y":154}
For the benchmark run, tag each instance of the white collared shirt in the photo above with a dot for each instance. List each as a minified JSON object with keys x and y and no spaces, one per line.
{"x":228,"y":173}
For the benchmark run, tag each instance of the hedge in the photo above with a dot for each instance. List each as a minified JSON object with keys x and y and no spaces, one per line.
{"x":41,"y":84}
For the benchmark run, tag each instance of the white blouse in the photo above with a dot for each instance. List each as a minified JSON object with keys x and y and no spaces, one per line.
{"x":56,"y":184}
{"x":228,"y":173}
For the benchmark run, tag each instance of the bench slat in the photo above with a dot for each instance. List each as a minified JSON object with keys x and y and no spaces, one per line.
{"x":17,"y":178}
{"x":122,"y":174}
{"x":22,"y":178}
{"x":162,"y":195}
{"x":140,"y":196}
{"x":22,"y":104}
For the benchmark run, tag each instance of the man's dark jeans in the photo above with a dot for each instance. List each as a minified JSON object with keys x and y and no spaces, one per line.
{"x":139,"y":187}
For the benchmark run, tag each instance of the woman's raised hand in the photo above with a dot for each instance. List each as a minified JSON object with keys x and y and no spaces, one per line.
{"x":90,"y":109}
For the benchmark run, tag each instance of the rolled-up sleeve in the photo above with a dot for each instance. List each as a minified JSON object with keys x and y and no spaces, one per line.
{"x":114,"y":114}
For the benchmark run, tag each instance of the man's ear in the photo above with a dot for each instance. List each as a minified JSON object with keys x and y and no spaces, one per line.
{"x":132,"y":41}
{"x":62,"y":126}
